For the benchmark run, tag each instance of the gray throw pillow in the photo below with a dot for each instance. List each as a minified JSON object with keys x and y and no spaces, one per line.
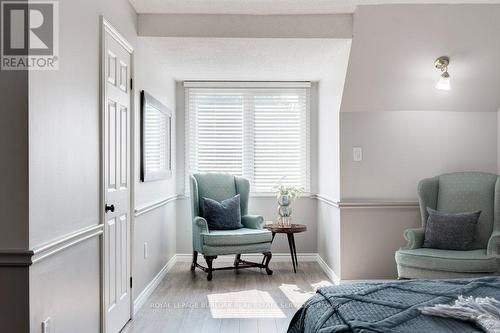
{"x":448,"y":231}
{"x":225,"y":215}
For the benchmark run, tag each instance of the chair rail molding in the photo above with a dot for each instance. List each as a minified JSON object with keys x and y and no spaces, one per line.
{"x":364,"y":204}
{"x":325,"y":200}
{"x":62,"y":243}
{"x":15,"y":257}
{"x":143,"y":209}
{"x":23,"y":257}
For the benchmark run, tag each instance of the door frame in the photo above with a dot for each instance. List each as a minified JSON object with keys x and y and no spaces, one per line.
{"x":107,"y":27}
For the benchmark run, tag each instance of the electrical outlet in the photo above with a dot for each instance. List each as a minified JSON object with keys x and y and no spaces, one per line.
{"x":146,"y":250}
{"x":357,"y":154}
{"x":46,"y":325}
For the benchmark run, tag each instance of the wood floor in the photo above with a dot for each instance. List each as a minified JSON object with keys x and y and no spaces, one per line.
{"x":243,"y":301}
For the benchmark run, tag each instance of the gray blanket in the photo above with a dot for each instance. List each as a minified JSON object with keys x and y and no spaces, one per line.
{"x":389,"y":307}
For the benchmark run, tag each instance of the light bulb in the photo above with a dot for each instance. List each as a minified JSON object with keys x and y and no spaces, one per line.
{"x":444,"y":82}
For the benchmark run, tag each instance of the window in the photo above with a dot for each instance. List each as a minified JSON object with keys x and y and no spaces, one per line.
{"x":257,"y":130}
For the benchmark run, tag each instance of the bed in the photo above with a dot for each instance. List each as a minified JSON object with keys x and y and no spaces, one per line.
{"x":388,"y":307}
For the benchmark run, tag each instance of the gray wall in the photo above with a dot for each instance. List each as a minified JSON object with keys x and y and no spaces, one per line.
{"x":14,"y":166}
{"x":14,"y":223}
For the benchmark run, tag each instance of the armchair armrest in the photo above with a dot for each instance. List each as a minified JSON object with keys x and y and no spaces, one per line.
{"x":200,"y":226}
{"x":415,"y":238}
{"x":252,"y":221}
{"x":494,"y":244}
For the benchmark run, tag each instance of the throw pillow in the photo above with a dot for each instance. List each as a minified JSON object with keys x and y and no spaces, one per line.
{"x":448,"y":231}
{"x":225,"y":215}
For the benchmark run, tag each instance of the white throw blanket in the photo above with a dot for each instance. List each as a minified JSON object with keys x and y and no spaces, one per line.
{"x":484,"y":312}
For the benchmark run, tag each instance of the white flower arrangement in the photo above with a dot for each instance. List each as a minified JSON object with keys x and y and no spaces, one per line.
{"x":293,"y":192}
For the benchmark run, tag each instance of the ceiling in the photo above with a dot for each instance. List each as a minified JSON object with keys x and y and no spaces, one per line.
{"x":269,"y":7}
{"x":252,"y":59}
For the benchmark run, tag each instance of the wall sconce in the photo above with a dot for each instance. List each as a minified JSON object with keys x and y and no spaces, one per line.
{"x":442,"y":63}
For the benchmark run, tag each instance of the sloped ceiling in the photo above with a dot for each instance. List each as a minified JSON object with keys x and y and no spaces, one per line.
{"x":394,"y":48}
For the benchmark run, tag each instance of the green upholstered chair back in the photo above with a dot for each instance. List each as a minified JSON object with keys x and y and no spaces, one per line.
{"x":463,"y":192}
{"x":218,"y":186}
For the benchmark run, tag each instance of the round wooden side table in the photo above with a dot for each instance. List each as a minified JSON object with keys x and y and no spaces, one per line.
{"x":289,"y":230}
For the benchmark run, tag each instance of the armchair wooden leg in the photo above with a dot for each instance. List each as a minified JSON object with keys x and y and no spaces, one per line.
{"x":267,"y":256}
{"x":237,"y":260}
{"x":195,"y":259}
{"x":209,"y":260}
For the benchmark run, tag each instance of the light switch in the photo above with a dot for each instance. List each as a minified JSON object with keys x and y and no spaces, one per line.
{"x":357,"y":154}
{"x":146,"y":250}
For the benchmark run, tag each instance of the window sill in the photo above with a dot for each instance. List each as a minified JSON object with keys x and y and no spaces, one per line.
{"x":266,"y":195}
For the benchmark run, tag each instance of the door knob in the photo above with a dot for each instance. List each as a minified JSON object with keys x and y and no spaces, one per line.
{"x":108,"y":208}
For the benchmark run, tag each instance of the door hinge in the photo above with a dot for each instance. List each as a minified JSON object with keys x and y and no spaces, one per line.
{"x":131,"y":83}
{"x":130,"y":282}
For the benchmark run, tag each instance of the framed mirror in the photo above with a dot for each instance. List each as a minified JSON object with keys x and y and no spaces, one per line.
{"x":156,"y":139}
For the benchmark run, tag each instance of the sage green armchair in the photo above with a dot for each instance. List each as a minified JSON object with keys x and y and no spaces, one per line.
{"x":455,"y":193}
{"x":211,"y":243}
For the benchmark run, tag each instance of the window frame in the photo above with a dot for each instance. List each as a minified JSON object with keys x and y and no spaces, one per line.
{"x":250,"y":85}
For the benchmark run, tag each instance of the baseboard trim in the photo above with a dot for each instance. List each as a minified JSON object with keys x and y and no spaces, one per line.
{"x":187,"y":257}
{"x":328,"y":271}
{"x":143,"y":296}
{"x":277,"y":257}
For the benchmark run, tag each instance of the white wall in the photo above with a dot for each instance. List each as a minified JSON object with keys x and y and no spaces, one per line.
{"x":245,"y":26}
{"x":64,"y":127}
{"x":393,"y":52}
{"x":328,"y":167}
{"x":64,"y":122}
{"x":304,"y":208}
{"x":304,"y":212}
{"x":64,"y":169}
{"x":65,"y":287}
{"x":401,"y":148}
{"x":409,"y":130}
{"x":157,"y":228}
{"x":498,"y":141}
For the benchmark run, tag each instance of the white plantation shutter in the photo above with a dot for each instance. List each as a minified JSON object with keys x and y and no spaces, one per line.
{"x":261,"y":133}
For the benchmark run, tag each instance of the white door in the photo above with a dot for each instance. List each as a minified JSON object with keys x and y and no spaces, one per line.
{"x":116,"y":136}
